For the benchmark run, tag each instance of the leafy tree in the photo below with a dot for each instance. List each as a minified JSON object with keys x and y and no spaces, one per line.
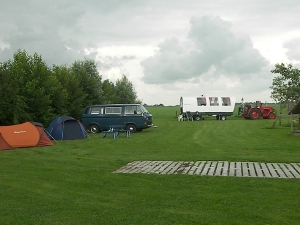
{"x":125,"y":92}
{"x":58,"y":96}
{"x":109,"y":94}
{"x":30,"y":91}
{"x":11,"y":103}
{"x":286,"y":86}
{"x":30,"y":99}
{"x":37,"y":82}
{"x":89,"y":79}
{"x":74,"y":97}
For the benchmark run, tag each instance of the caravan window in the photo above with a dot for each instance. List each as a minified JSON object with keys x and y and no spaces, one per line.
{"x":201,"y":101}
{"x":133,"y":110}
{"x":96,"y":110}
{"x":113,"y":110}
{"x":226,"y":101}
{"x":213,"y":101}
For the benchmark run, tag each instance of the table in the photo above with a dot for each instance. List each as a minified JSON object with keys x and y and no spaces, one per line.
{"x":114,"y":133}
{"x":115,"y":130}
{"x":125,"y":131}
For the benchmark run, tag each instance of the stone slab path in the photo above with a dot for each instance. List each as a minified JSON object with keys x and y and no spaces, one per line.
{"x":214,"y":168}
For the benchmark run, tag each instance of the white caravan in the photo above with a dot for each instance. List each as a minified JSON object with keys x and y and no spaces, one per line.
{"x":196,"y":107}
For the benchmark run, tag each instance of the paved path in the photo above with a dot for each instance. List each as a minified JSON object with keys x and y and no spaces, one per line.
{"x":215,"y":168}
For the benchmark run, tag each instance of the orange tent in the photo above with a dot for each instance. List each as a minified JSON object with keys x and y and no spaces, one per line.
{"x":29,"y":134}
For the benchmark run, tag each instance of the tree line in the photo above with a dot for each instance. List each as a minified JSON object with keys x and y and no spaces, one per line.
{"x":32,"y":91}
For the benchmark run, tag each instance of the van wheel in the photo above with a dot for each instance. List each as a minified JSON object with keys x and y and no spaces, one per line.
{"x":131,"y":127}
{"x":94,"y":128}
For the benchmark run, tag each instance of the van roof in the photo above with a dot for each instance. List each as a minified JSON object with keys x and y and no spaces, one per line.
{"x":107,"y":105}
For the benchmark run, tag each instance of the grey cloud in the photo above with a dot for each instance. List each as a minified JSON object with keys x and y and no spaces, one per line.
{"x":293,"y":49}
{"x":171,"y":45}
{"x":165,"y":68}
{"x":128,"y":57}
{"x":215,"y":46}
{"x":104,"y":66}
{"x":61,"y":31}
{"x":173,"y":62}
{"x":50,"y":30}
{"x":106,"y":63}
{"x":244,"y":61}
{"x":53,"y":50}
{"x":228,"y":52}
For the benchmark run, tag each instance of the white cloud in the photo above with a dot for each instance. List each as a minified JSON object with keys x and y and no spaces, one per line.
{"x":215,"y":45}
{"x":293,"y":49}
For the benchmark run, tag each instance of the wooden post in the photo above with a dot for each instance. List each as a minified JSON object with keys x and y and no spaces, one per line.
{"x":280,"y":113}
{"x":278,"y":117}
{"x":292,"y":126}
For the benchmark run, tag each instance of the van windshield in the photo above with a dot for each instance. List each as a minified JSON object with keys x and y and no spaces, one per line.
{"x":144,"y":109}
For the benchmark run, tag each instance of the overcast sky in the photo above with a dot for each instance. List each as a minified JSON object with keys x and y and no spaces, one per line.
{"x":166,"y":48}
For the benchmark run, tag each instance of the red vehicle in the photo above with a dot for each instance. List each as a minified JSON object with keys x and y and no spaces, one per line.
{"x":253,"y":113}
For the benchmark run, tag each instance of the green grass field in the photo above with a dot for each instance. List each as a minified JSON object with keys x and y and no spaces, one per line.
{"x":72,"y":182}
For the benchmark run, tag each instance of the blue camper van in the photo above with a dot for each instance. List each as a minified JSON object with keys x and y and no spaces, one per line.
{"x":134,"y":117}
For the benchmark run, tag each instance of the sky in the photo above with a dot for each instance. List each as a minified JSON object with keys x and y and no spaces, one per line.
{"x":166,"y":48}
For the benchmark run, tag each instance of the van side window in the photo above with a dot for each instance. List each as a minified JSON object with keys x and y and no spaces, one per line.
{"x":132,"y":110}
{"x":113,"y":110}
{"x":213,"y":101}
{"x":226,"y":101}
{"x":96,"y":110}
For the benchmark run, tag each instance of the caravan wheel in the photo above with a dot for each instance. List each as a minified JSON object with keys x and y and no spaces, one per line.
{"x":198,"y":118}
{"x":220,"y":117}
{"x":94,"y":129}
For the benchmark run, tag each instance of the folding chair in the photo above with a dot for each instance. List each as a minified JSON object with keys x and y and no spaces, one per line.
{"x":189,"y":116}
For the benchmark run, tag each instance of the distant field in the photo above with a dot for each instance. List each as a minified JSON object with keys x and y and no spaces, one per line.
{"x":72,"y":182}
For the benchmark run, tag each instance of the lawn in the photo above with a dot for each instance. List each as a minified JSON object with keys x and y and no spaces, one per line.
{"x":72,"y":182}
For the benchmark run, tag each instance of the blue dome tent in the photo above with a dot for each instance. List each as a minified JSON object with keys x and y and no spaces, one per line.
{"x":66,"y":128}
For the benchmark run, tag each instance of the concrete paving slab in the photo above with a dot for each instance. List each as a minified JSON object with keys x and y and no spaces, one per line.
{"x":214,"y":168}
